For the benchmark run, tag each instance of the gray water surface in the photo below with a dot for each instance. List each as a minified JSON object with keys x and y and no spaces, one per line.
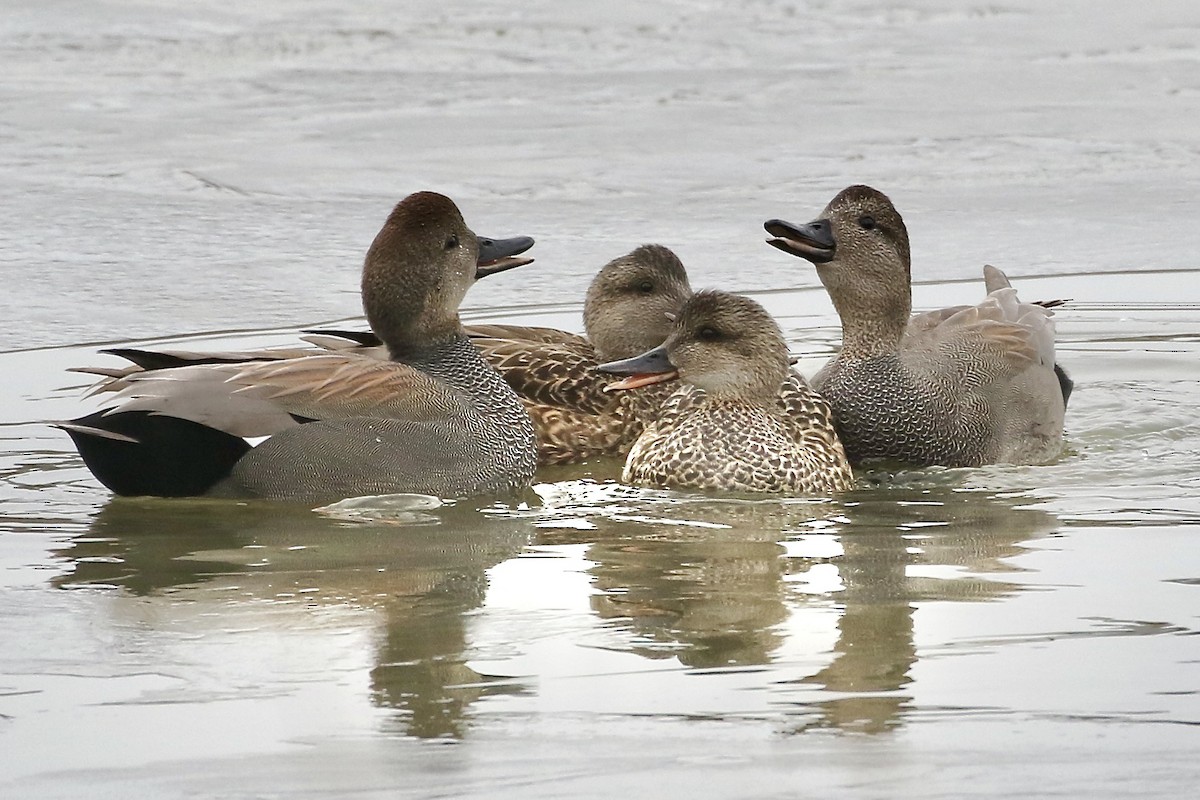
{"x":209,"y":177}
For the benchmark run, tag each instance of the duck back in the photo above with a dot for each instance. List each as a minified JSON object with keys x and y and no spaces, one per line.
{"x":485,"y":444}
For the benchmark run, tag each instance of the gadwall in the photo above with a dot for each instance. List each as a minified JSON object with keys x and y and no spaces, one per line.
{"x":956,"y":387}
{"x":432,"y":418}
{"x":742,"y":421}
{"x":627,"y":310}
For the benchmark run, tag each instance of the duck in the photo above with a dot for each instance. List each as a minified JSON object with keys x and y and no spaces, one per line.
{"x":627,"y":310}
{"x":742,"y":420}
{"x":955,"y":387}
{"x":429,"y":418}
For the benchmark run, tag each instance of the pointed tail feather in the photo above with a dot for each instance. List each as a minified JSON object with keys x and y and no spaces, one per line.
{"x":1064,"y":383}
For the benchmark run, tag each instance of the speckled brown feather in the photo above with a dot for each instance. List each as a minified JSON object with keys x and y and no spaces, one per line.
{"x":554,"y":372}
{"x":701,"y":442}
{"x":525,"y":333}
{"x":564,"y":395}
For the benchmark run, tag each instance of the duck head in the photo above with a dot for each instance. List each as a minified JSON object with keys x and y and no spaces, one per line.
{"x":723,"y":343}
{"x":860,"y":248}
{"x":631,"y":302}
{"x":421,"y":265}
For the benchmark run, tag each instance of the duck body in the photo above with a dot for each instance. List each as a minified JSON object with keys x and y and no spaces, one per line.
{"x":553,"y":372}
{"x":957,"y":387}
{"x":742,"y":421}
{"x":431,"y":417}
{"x":702,"y":442}
{"x":469,"y":436}
{"x":884,"y":410}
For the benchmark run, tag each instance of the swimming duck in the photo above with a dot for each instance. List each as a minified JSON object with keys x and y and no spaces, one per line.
{"x":626,"y":311}
{"x":432,"y":418}
{"x":742,"y":421}
{"x":957,"y":387}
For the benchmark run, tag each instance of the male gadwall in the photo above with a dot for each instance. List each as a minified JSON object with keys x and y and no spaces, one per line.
{"x":432,"y":418}
{"x":956,"y":387}
{"x":742,"y":421}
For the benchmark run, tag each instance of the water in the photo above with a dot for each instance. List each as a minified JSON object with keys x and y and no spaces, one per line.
{"x":210,"y":176}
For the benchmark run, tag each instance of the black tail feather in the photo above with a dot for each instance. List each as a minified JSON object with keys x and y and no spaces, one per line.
{"x":151,"y":359}
{"x":171,"y":457}
{"x":1065,"y":383}
{"x":364,"y":338}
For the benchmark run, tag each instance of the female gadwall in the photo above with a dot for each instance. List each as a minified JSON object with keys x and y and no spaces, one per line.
{"x":627,"y":311}
{"x":957,"y":387}
{"x":743,"y":422}
{"x":432,"y":418}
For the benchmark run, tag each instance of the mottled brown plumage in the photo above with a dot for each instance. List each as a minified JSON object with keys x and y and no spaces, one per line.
{"x":742,"y":421}
{"x":554,"y":372}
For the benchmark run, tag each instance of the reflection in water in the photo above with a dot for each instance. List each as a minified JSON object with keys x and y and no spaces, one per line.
{"x":708,"y":581}
{"x":421,"y":666}
{"x":422,"y":580}
{"x":146,"y":546}
{"x":896,"y":554}
{"x":715,"y":583}
{"x":875,"y":647}
{"x":710,"y":595}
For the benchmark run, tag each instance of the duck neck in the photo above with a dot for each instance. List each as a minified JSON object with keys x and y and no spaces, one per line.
{"x":408,"y":318}
{"x":873,"y":326}
{"x":747,"y":391}
{"x":433,"y":342}
{"x":865,"y":338}
{"x":873,"y":300}
{"x":453,"y":359}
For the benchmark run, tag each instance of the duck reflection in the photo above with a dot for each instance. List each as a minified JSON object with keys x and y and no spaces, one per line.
{"x":728,"y":589}
{"x":705,"y":588}
{"x":717,"y":583}
{"x":421,"y":580}
{"x":902,"y":548}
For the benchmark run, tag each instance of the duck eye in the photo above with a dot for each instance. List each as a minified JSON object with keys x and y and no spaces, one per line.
{"x":451,"y":241}
{"x":867,"y":222}
{"x":645,"y":287}
{"x":708,"y":333}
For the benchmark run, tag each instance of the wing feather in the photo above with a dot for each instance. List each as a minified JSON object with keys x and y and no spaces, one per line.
{"x":266,"y":397}
{"x":527,"y":333}
{"x":1000,"y":336}
{"x":561,"y":374}
{"x":338,"y":385}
